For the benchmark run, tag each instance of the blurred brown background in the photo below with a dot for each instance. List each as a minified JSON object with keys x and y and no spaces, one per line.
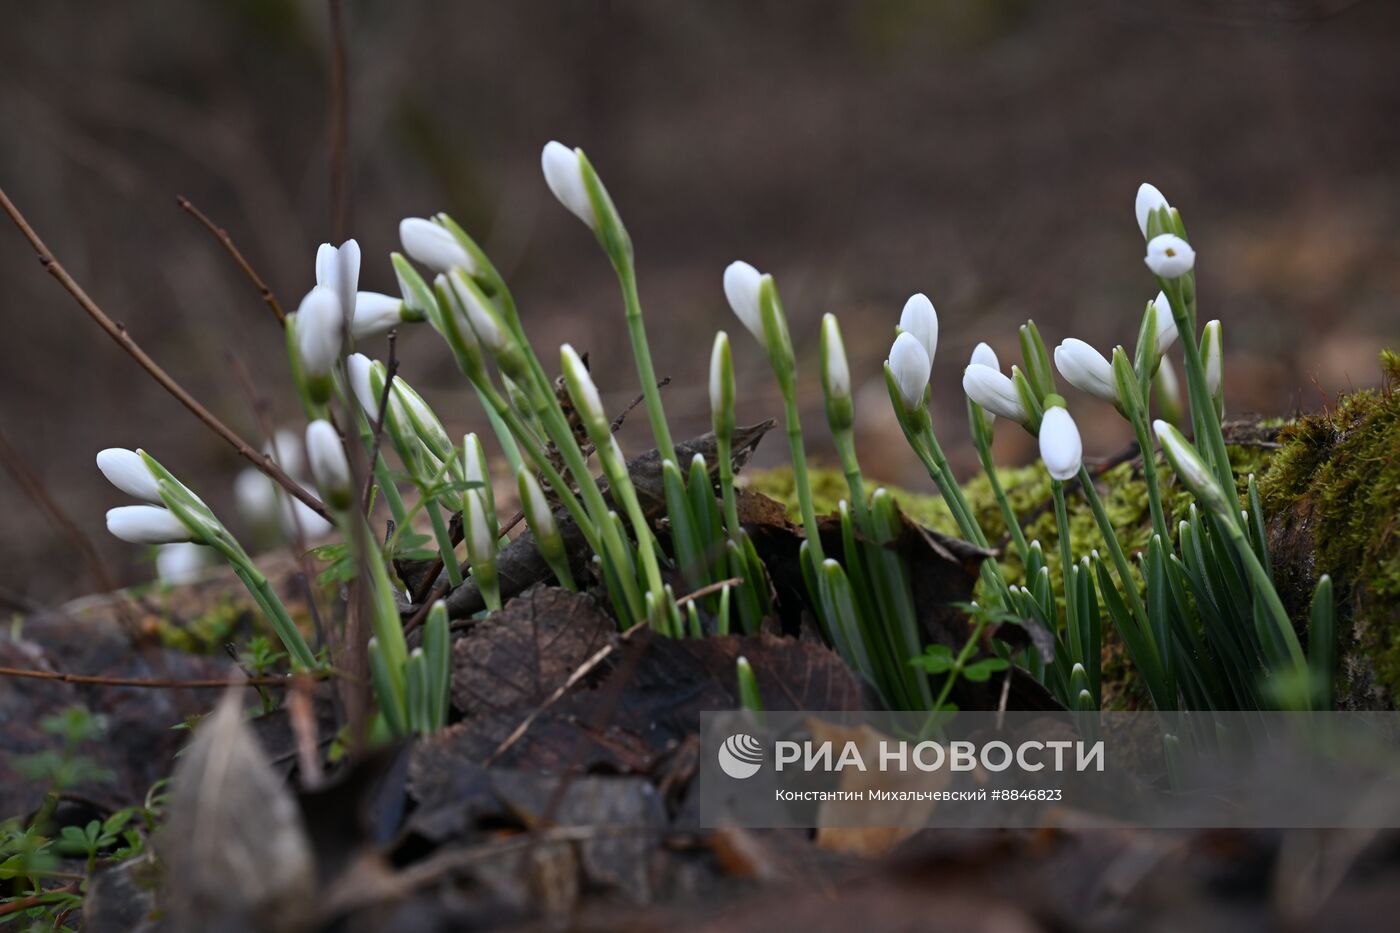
{"x":985,"y":152}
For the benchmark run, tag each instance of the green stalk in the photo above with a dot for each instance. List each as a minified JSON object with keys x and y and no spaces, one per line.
{"x":445,"y":549}
{"x":1115,"y":552}
{"x":277,"y":615}
{"x":801,"y":482}
{"x":982,"y":439}
{"x":1264,"y":588}
{"x":1057,"y":490}
{"x":637,"y":331}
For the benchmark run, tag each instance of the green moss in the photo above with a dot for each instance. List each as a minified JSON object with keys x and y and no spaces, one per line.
{"x":1333,"y":495}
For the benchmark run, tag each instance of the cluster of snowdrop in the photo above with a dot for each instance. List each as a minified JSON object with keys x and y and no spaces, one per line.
{"x":858,"y":585}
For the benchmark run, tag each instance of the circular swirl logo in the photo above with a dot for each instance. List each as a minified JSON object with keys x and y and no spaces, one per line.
{"x":740,"y":756}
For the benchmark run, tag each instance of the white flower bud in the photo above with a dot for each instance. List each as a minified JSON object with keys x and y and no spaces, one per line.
{"x":375,"y":314}
{"x":836,"y":371}
{"x":984,"y":355}
{"x":481,"y":543}
{"x":359,"y":367}
{"x":256,"y":496}
{"x":1169,"y":256}
{"x":994,"y":391}
{"x":1166,"y":324}
{"x":328,"y":464}
{"x":1213,"y":356}
{"x":742,"y":283}
{"x":583,"y":392}
{"x":474,"y":459}
{"x":1149,"y":199}
{"x":434,"y":246}
{"x":721,"y":375}
{"x":180,"y":564}
{"x":485,"y":321}
{"x":126,"y":470}
{"x":1191,"y":469}
{"x":339,"y":270}
{"x":1085,"y":368}
{"x":285,"y":449}
{"x":146,"y":524}
{"x":563,"y":172}
{"x":911,"y":367}
{"x":1060,"y":446}
{"x":319,"y":329}
{"x":300,"y":520}
{"x":919,"y":318}
{"x":421,"y":417}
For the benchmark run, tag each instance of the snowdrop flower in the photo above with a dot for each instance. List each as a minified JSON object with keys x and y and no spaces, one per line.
{"x":339,"y":270}
{"x":1149,"y":200}
{"x":984,"y":355}
{"x":256,"y":496}
{"x":1085,"y":368}
{"x":1166,"y":324}
{"x":359,"y":368}
{"x":126,"y":470}
{"x":328,"y":464}
{"x":376,"y":314}
{"x":300,"y":521}
{"x":535,"y":505}
{"x":474,"y":457}
{"x":994,"y":391}
{"x":319,"y":329}
{"x":481,"y":314}
{"x":434,"y":246}
{"x":481,"y":542}
{"x":911,"y":368}
{"x":1169,"y":256}
{"x":179,"y":564}
{"x":1191,"y":469}
{"x":1060,"y":446}
{"x":1212,"y":356}
{"x":285,"y":448}
{"x":423,"y":419}
{"x":584,"y":393}
{"x":836,"y":372}
{"x":563,"y":172}
{"x":919,"y":318}
{"x":722,"y":386}
{"x":742,"y":284}
{"x":146,"y":524}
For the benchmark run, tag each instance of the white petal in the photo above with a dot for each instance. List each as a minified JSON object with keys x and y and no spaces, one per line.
{"x":586,"y":399}
{"x":536,"y":506}
{"x":359,"y":367}
{"x":1166,"y":324}
{"x":433,"y":245}
{"x":994,"y":391}
{"x":721,"y":392}
{"x":298,"y":518}
{"x":1060,"y":446}
{"x":1169,"y":256}
{"x":838,"y":371}
{"x":919,"y":318}
{"x":1149,"y":199}
{"x":474,"y":457}
{"x":481,"y":316}
{"x":564,"y":175}
{"x":146,"y":524}
{"x":742,"y":283}
{"x":126,"y":470}
{"x":319,"y":330}
{"x":1212,"y":354}
{"x":375,"y":314}
{"x":984,"y":355}
{"x":327,"y":456}
{"x":481,"y":542}
{"x":911,"y":367}
{"x":1086,"y":369}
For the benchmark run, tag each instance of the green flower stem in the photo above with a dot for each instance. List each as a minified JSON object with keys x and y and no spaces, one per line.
{"x":277,"y":615}
{"x":445,"y":548}
{"x":1057,"y":491}
{"x":1149,"y":471}
{"x":1264,"y":587}
{"x":801,"y":482}
{"x":1120,"y":562}
{"x":950,"y":486}
{"x":965,"y":655}
{"x":502,"y":431}
{"x":385,"y":481}
{"x":636,"y":330}
{"x":724,"y":451}
{"x":982,"y":439}
{"x":1203,"y":413}
{"x":622,"y":489}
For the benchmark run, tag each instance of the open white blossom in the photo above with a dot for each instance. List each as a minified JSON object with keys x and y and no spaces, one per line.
{"x":338,"y":268}
{"x":1169,"y":256}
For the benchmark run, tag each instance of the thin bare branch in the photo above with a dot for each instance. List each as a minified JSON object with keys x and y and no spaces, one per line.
{"x":264,"y":291}
{"x":154,"y":683}
{"x":117,"y":332}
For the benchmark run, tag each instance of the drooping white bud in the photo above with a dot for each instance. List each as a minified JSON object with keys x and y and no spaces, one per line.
{"x":328,"y":464}
{"x":563,"y":172}
{"x":919,"y":318}
{"x":179,"y":564}
{"x":835,"y":370}
{"x":1166,"y":324}
{"x":146,"y":524}
{"x":1149,"y":199}
{"x":984,"y":355}
{"x":126,"y":470}
{"x":1086,"y":369}
{"x":339,"y":270}
{"x":1169,"y":256}
{"x":910,"y":365}
{"x":742,"y":283}
{"x":994,"y":391}
{"x":320,"y":330}
{"x":1060,"y":446}
{"x":434,"y":246}
{"x":375,"y":314}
